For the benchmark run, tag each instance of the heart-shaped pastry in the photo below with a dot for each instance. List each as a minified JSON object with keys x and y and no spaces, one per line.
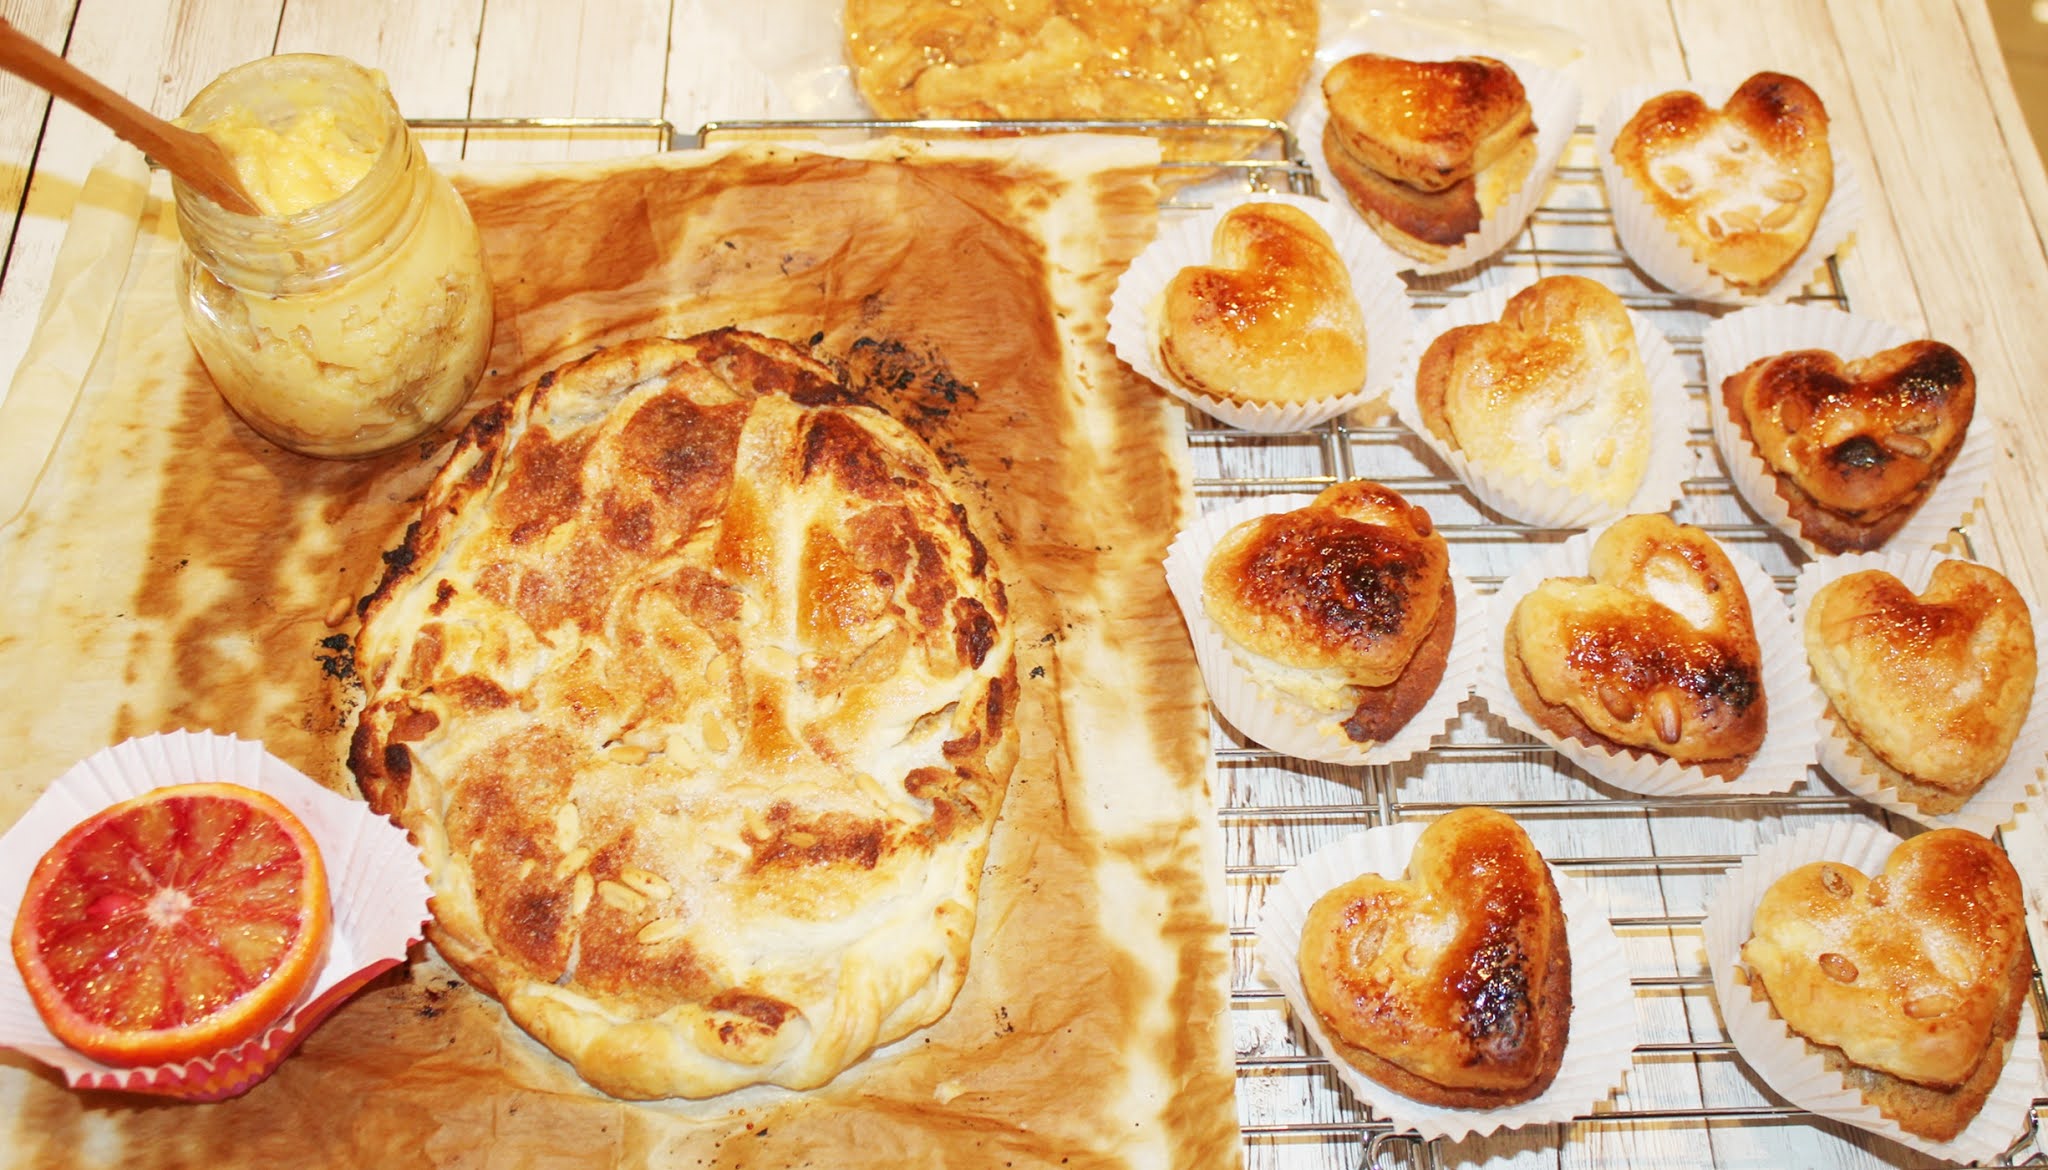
{"x":1553,"y":392}
{"x":1273,"y":318}
{"x":1655,"y":651}
{"x":1932,"y":688}
{"x":1910,"y":983}
{"x":1452,"y":985}
{"x":1854,"y":446}
{"x":1742,"y":186}
{"x":1345,"y":605}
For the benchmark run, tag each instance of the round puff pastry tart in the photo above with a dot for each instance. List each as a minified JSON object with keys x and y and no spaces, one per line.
{"x":696,"y":690}
{"x":1329,"y":627}
{"x":1883,"y":983}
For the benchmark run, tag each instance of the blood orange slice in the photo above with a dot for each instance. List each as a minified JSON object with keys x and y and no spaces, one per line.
{"x":173,"y":925}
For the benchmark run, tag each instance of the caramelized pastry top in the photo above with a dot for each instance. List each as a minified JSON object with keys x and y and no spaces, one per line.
{"x":1936,"y":685}
{"x":1272,"y":318}
{"x":1744,"y":185}
{"x":1905,"y":973}
{"x":1351,"y":584}
{"x":1450,"y":971}
{"x":1554,"y":391}
{"x":1427,"y":124}
{"x":1864,"y":437}
{"x":1656,"y":649}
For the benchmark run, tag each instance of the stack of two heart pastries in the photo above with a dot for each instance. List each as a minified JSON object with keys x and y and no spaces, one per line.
{"x":1426,"y":150}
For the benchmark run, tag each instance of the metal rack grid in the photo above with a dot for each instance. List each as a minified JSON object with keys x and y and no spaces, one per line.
{"x":1652,"y":862}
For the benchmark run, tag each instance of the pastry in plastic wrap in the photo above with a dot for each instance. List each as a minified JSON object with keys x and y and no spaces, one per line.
{"x":1910,"y":982}
{"x":1743,"y":186}
{"x":1452,"y":984}
{"x":1271,"y":319}
{"x":1427,"y":149}
{"x":1346,"y":605}
{"x":1554,"y":391}
{"x":1855,"y":446}
{"x":1932,"y":689}
{"x":1654,"y":652}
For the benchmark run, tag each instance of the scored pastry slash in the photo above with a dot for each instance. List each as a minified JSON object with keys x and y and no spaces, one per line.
{"x":696,"y":687}
{"x":1909,"y":983}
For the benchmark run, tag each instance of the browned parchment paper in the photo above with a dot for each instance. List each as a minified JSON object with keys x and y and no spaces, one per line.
{"x":172,"y":570}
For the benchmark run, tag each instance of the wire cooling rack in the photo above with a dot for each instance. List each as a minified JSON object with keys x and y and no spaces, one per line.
{"x":1652,"y":864}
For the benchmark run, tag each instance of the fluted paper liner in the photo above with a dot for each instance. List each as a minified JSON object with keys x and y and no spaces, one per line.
{"x":1783,"y":1059}
{"x":376,"y":882}
{"x":1602,"y":1036}
{"x":1738,"y":339}
{"x":1995,"y":804}
{"x":1791,"y":735}
{"x":1133,"y":309}
{"x":1554,"y":101}
{"x":1285,"y":723}
{"x":1553,"y":505}
{"x":1655,"y":246}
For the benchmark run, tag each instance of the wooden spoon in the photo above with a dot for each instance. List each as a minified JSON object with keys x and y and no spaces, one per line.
{"x":193,"y":157}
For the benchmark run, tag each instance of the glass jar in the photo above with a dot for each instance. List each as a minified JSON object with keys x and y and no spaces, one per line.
{"x":354,"y":314}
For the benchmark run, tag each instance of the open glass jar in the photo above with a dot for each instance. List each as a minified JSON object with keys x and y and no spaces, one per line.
{"x":354,"y":314}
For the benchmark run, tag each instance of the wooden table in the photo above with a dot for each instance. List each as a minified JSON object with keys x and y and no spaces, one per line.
{"x":1951,"y":247}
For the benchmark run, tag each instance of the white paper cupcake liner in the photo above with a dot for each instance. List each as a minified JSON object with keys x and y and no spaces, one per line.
{"x":377,"y":883}
{"x":1733,"y":342}
{"x":1602,"y":1038}
{"x":1781,"y":1057}
{"x":1282,"y":722}
{"x":1656,"y":248}
{"x":1793,"y":730}
{"x":1381,"y":296}
{"x":1554,"y":102}
{"x":1995,"y":804}
{"x":1552,"y":505}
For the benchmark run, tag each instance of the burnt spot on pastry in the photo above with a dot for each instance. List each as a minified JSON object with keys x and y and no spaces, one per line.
{"x":789,"y":840}
{"x":833,"y":443}
{"x":337,"y":657}
{"x":1495,"y":988}
{"x":1352,"y":579}
{"x":680,"y":452}
{"x":974,"y":631}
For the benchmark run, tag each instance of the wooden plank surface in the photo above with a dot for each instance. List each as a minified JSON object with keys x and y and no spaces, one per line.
{"x":1951,"y":244}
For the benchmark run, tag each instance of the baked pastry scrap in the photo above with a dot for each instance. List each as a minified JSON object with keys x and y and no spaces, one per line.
{"x":1909,"y":983}
{"x":1932,"y":689}
{"x":1427,"y":149}
{"x":1345,"y":606}
{"x":1084,"y":59}
{"x":1653,"y":652}
{"x":1452,"y":984}
{"x":1554,"y":391}
{"x":1854,"y":446}
{"x":1273,"y":318}
{"x":1743,"y":186}
{"x":695,"y":689}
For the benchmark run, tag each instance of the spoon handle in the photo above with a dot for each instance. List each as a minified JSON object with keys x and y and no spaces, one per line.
{"x":193,"y":157}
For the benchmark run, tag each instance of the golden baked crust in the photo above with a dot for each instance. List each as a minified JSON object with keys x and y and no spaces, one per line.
{"x":1855,"y":446}
{"x":1744,"y":185}
{"x":1084,"y":59}
{"x":1655,"y":651}
{"x":1553,"y":392}
{"x":1937,"y":686}
{"x":1915,"y":977}
{"x":1426,"y":124}
{"x":1425,"y":150}
{"x":1271,"y":319}
{"x":695,"y":690}
{"x":1451,"y":985}
{"x":1345,"y":604}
